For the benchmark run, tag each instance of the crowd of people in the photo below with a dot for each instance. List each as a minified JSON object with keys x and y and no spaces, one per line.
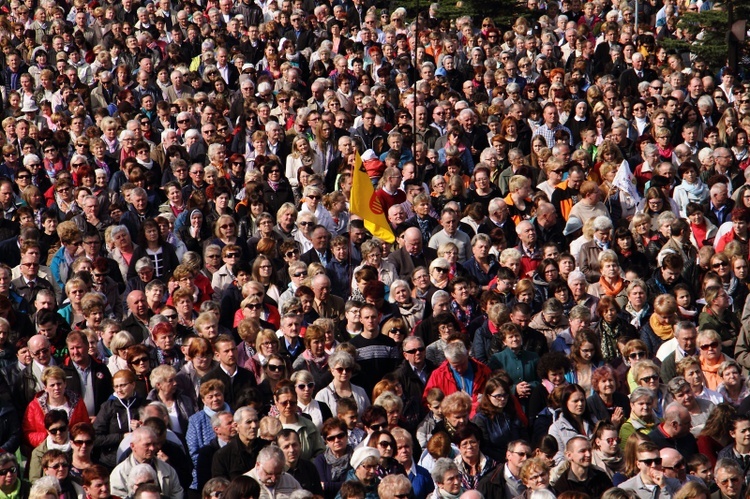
{"x":189,"y":308}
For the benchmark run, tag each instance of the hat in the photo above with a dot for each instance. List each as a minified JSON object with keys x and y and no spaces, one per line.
{"x":574,"y":224}
{"x":247,"y":65}
{"x":368,"y":155}
{"x":30,"y":107}
{"x":362,"y":454}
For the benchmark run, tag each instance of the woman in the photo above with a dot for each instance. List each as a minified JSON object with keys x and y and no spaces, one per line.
{"x":275,"y":371}
{"x":411,"y":309}
{"x":199,"y":430}
{"x":75,"y":289}
{"x":585,"y":357}
{"x":199,"y":361}
{"x":302,"y":155}
{"x":715,"y":433}
{"x":372,"y":255}
{"x":692,"y":189}
{"x":717,"y":316}
{"x":54,"y":397}
{"x":646,"y":374}
{"x":385,"y":444}
{"x":263,"y":272}
{"x":447,"y":477}
{"x":333,"y":464}
{"x":535,"y":476}
{"x":119,"y":345}
{"x":180,"y":406}
{"x":574,"y":419}
{"x":610,"y":282}
{"x":56,"y":436}
{"x":472,"y":463}
{"x":611,"y":327}
{"x":314,"y":358}
{"x":11,"y":485}
{"x":342,"y":367}
{"x":152,"y":244}
{"x":140,"y":363}
{"x":659,"y":327}
{"x":225,"y":232}
{"x":628,"y":255}
{"x":733,"y":386}
{"x":642,"y":418}
{"x":606,"y":403}
{"x":496,"y":418}
{"x":305,"y":389}
{"x":606,"y":453}
{"x":123,"y":249}
{"x":738,"y":142}
{"x":117,"y":416}
{"x":82,"y":437}
{"x":266,"y":344}
{"x":446,"y":325}
{"x":285,"y":399}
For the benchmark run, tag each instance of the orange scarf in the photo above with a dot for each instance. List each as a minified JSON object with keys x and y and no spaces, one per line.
{"x":663,"y":332}
{"x":612,"y":291}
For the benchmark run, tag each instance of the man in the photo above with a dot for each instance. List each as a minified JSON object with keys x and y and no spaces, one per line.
{"x":667,"y":277}
{"x":376,"y":352}
{"x":582,"y":477}
{"x":178,"y":89}
{"x":137,"y":322}
{"x":630,"y":78}
{"x":412,"y":254}
{"x":30,"y":381}
{"x":241,"y":452}
{"x":729,"y":478}
{"x":674,"y":431}
{"x":699,"y":409}
{"x":682,"y":345}
{"x":718,"y":208}
{"x":225,"y":429}
{"x":674,"y":465}
{"x":29,"y":283}
{"x":499,"y":218}
{"x":413,"y":374}
{"x":291,"y":345}
{"x":566,"y":194}
{"x":651,"y":480}
{"x":12,"y":248}
{"x":327,"y":305}
{"x":548,"y":227}
{"x":269,"y":472}
{"x":139,"y":210}
{"x":92,"y":380}
{"x":458,"y":373}
{"x":367,"y":133}
{"x":145,"y":449}
{"x":301,"y":470}
{"x":451,"y":234}
{"x":531,"y":255}
{"x":235,"y":378}
{"x":320,"y":252}
{"x":551,"y":125}
{"x":505,"y":480}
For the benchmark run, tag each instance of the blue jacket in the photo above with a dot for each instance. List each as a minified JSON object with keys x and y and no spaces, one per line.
{"x":60,"y":269}
{"x":421,"y":482}
{"x":483,"y":278}
{"x":371,"y":492}
{"x":498,"y":432}
{"x":340,"y":275}
{"x":521,"y":367}
{"x":199,"y":434}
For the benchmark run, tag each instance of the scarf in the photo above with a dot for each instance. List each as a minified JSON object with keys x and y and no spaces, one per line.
{"x":663,"y":332}
{"x":321,"y":362}
{"x":339,"y":465}
{"x":612,"y":291}
{"x":610,"y":333}
{"x":52,"y":445}
{"x":637,"y":316}
{"x":445,"y":495}
{"x":273,"y":185}
{"x":694,"y":191}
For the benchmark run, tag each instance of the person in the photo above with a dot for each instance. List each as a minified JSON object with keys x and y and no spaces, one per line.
{"x":642,"y":418}
{"x":606,"y":454}
{"x":607,"y":403}
{"x":342,"y":366}
{"x":364,"y":462}
{"x":496,"y":417}
{"x":459,"y":373}
{"x":650,"y":475}
{"x":421,"y":482}
{"x":57,"y":436}
{"x":674,"y":431}
{"x":11,"y":484}
{"x":234,"y":377}
{"x":582,"y":476}
{"x":240,"y":454}
{"x":574,"y":418}
{"x":333,"y":464}
{"x":285,"y":399}
{"x":699,"y":409}
{"x":505,"y":480}
{"x":472,"y":463}
{"x":394,"y":486}
{"x":447,"y":478}
{"x":269,"y":473}
{"x":144,"y":447}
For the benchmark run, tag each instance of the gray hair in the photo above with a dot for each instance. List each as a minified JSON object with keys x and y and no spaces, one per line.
{"x":341,"y":358}
{"x":439,"y":295}
{"x":443,"y":466}
{"x":216,"y":418}
{"x":142,"y":432}
{"x":576,"y":276}
{"x":602,"y":223}
{"x":639,"y":393}
{"x":414,"y":339}
{"x":239,"y":414}
{"x":140,"y":471}
{"x":728,"y":464}
{"x":271,"y":453}
{"x":47,"y":485}
{"x":117,"y":229}
{"x":455,"y":351}
{"x":398,"y":283}
{"x":581,"y":312}
{"x":7,"y":457}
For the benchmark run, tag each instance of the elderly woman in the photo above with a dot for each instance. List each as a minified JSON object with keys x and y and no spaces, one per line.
{"x":311,"y":203}
{"x":510,"y":258}
{"x":123,"y":249}
{"x":225,"y":232}
{"x":610,"y":281}
{"x":119,"y":345}
{"x":710,"y":346}
{"x":497,"y":419}
{"x":411,"y":309}
{"x":333,"y":464}
{"x":57,"y":436}
{"x":472,"y":463}
{"x":588,"y":258}
{"x":364,"y":464}
{"x":734,"y":386}
{"x":456,"y":410}
{"x":482,"y":265}
{"x":637,"y":309}
{"x":285,"y":400}
{"x":447,"y":479}
{"x":660,"y":326}
{"x":579,"y":291}
{"x":372,"y":255}
{"x":611,"y":327}
{"x":645,"y":373}
{"x":180,"y":406}
{"x":606,"y":403}
{"x":393,"y":405}
{"x":440,"y":273}
{"x":642,"y":418}
{"x":342,"y":366}
{"x":304,"y":384}
{"x":54,"y":397}
{"x":314,"y":358}
{"x":446,"y":325}
{"x":11,"y":485}
{"x":200,"y":426}
{"x":717,"y":316}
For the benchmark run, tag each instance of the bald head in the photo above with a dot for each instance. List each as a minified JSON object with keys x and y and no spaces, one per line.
{"x":413,"y":241}
{"x":137,"y":304}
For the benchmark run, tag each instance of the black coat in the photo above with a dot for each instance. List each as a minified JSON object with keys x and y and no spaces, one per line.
{"x":413,"y":389}
{"x":101,"y":381}
{"x":235,"y":459}
{"x":234,"y":387}
{"x":111,"y":424}
{"x":169,"y":261}
{"x":274,"y":199}
{"x":307,"y":475}
{"x":492,"y":485}
{"x":405,"y":263}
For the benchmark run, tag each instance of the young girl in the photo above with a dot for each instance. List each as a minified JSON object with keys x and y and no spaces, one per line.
{"x":685,"y":308}
{"x":335,"y":203}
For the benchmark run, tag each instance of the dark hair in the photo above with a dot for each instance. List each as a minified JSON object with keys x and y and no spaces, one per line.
{"x":569,"y":391}
{"x":55,"y":416}
{"x":585,"y":336}
{"x":552,"y":361}
{"x":467,"y":430}
{"x":242,"y":487}
{"x":372,"y":414}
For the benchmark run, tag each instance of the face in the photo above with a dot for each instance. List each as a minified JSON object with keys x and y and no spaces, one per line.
{"x":642,"y":407}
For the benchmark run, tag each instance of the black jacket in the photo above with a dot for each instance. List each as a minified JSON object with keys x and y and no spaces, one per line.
{"x":232,"y":387}
{"x":235,"y":459}
{"x":274,"y":199}
{"x":169,"y":261}
{"x":492,"y":485}
{"x":25,"y":389}
{"x":101,"y":379}
{"x":307,"y":475}
{"x":414,"y":411}
{"x":111,"y":424}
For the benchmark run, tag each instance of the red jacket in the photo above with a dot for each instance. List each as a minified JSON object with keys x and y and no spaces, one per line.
{"x":34,"y":432}
{"x":442,"y":378}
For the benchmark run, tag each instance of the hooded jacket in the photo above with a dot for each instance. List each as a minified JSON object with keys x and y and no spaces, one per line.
{"x":111,"y":424}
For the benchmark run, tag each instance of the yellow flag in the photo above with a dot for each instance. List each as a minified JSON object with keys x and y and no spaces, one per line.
{"x":365,"y":204}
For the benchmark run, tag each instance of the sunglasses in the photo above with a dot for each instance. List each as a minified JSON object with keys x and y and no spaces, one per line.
{"x":300,"y":274}
{"x":415,"y":350}
{"x":23,"y":177}
{"x":379,"y":427}
{"x":343,"y":370}
{"x":637,"y":355}
{"x":441,"y":270}
{"x":309,"y":386}
{"x":255,"y":306}
{"x":57,"y":430}
{"x":139,"y":360}
{"x":59,"y":466}
{"x":651,"y":462}
{"x":275,"y":367}
{"x":710,"y":346}
{"x":395,"y":330}
{"x":719,"y":264}
{"x":83,"y":442}
{"x":12,"y":470}
{"x":231,"y":255}
{"x":338,"y":436}
{"x":650,"y":379}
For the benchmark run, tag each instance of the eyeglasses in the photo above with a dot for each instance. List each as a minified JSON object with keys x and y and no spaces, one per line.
{"x":499,"y":396}
{"x":441,"y":270}
{"x":59,"y":466}
{"x":338,"y":436}
{"x":231,"y":255}
{"x":139,"y":360}
{"x":379,"y":427}
{"x":83,"y":442}
{"x":58,"y":429}
{"x":213,"y":256}
{"x":13,"y":470}
{"x":395,"y":330}
{"x":385,"y":444}
{"x":710,"y":346}
{"x":415,"y":350}
{"x":254,"y":306}
{"x":306,"y":224}
{"x":343,"y":370}
{"x":650,"y":379}
{"x":677,"y":466}
{"x":41,"y":351}
{"x":275,"y":367}
{"x":170,"y":316}
{"x":309,"y":386}
{"x":719,"y":264}
{"x":651,"y":462}
{"x":637,"y":355}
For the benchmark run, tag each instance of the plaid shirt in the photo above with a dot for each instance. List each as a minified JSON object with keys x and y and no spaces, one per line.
{"x":549,"y":133}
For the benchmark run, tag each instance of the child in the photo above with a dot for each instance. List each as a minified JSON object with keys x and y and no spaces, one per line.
{"x":424,"y":431}
{"x":268,"y":428}
{"x":699,"y":466}
{"x":335,"y":203}
{"x":346,"y":410}
{"x":503,"y":285}
{"x":340,"y":267}
{"x":685,"y":308}
{"x":352,"y":489}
